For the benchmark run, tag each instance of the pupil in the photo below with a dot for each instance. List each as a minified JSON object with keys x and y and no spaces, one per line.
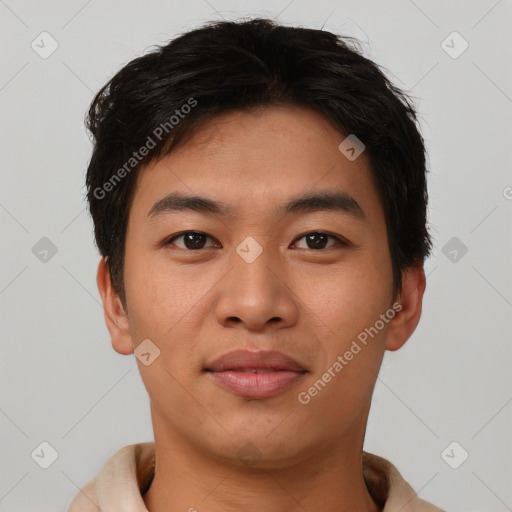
{"x":194,"y":240}
{"x":314,"y":239}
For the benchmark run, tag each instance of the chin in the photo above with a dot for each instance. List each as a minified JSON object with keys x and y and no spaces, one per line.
{"x":260,"y":445}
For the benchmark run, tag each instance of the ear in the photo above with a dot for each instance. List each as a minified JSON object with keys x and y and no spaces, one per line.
{"x":407,"y":318}
{"x":115,"y":315}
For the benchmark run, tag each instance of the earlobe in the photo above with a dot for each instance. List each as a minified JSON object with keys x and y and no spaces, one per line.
{"x":411,"y":298}
{"x":116,"y":318}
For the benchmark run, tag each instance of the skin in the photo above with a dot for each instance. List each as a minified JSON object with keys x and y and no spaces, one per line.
{"x":196,"y":304}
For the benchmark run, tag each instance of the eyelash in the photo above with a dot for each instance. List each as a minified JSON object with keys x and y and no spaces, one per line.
{"x":339,"y":241}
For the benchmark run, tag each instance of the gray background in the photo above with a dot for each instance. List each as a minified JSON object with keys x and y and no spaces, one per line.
{"x":61,"y":381}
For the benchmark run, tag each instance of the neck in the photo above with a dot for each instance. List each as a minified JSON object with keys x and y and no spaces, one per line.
{"x":329,"y":479}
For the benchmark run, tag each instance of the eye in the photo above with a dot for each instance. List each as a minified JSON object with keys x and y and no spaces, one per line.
{"x":192,"y":240}
{"x":318,"y":240}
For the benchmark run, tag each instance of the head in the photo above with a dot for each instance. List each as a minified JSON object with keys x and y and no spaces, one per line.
{"x":250,"y":119}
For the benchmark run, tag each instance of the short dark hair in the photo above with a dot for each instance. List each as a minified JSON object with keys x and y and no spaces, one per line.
{"x":239,"y":65}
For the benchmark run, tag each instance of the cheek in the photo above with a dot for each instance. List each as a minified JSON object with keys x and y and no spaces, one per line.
{"x":349,"y":298}
{"x":167,"y":305}
{"x":158,"y":295}
{"x":349,"y":304}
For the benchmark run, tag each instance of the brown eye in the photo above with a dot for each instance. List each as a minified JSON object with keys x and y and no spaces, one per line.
{"x":192,"y":240}
{"x":319,"y":240}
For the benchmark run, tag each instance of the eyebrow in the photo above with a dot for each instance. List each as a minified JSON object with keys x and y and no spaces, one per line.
{"x":339,"y":202}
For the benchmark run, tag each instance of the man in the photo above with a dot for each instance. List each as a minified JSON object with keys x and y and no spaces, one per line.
{"x":259,"y":200}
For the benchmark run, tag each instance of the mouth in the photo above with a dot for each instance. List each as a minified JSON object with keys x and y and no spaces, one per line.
{"x":256,"y":375}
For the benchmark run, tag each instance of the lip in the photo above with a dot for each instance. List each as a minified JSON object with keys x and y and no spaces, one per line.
{"x":260,"y":374}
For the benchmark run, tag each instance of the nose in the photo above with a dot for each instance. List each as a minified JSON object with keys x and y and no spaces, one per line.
{"x":256,"y":295}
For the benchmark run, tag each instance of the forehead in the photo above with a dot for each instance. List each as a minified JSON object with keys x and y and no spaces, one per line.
{"x":256,"y":159}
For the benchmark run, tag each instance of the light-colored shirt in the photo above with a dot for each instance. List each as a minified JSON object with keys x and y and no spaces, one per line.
{"x":127,"y":475}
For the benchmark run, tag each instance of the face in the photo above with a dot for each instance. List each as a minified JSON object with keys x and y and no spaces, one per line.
{"x":259,"y":266}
